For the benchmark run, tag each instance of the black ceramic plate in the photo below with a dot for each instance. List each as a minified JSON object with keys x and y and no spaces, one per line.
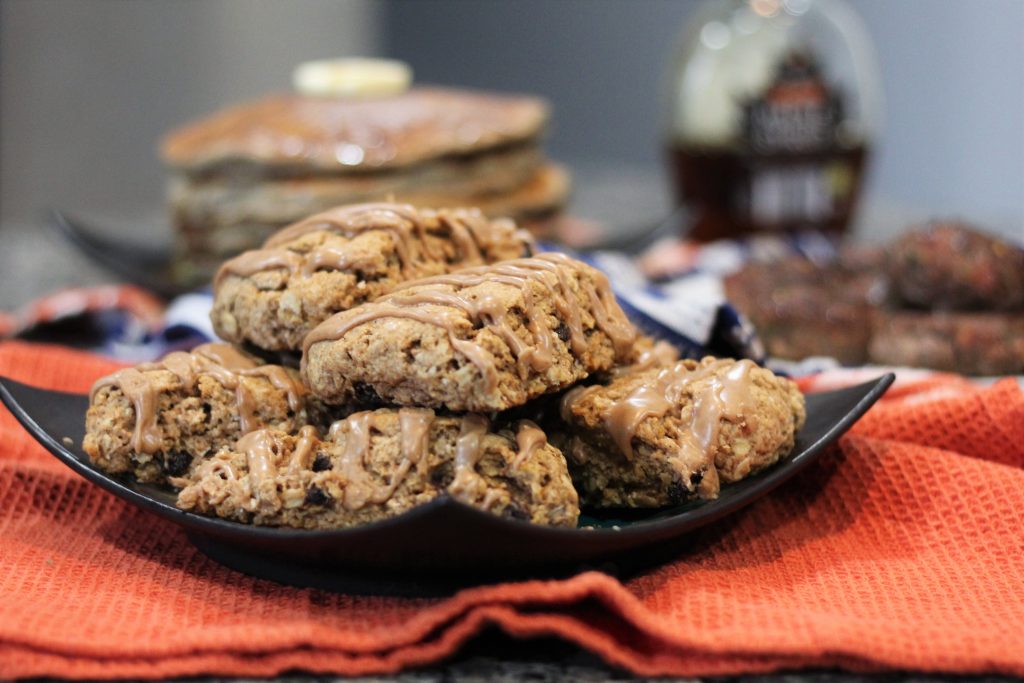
{"x":444,"y":544}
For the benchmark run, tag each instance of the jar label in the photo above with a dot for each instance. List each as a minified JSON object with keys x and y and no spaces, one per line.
{"x":797,"y":112}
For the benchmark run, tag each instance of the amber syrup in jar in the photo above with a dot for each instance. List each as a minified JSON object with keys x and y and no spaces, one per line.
{"x":774,"y":110}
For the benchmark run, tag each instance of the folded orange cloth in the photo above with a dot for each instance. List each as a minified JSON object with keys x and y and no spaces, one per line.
{"x":902,"y":548}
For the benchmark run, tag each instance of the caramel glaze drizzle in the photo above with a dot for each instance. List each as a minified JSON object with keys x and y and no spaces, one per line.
{"x":262,"y":449}
{"x":660,"y":354}
{"x":529,"y":438}
{"x":552,"y":270}
{"x":472,"y":233}
{"x":220,"y":361}
{"x":725,"y":394}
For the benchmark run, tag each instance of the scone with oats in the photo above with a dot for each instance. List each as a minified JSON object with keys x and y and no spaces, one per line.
{"x":661,"y":436}
{"x":272,"y":297}
{"x":157,"y":420}
{"x":478,"y":340}
{"x":378,"y":464}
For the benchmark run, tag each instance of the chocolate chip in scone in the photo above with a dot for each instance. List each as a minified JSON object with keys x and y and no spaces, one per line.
{"x":368,"y":275}
{"x":563,"y":332}
{"x":315,"y":496}
{"x":516,"y":512}
{"x":677,"y":493}
{"x":366,"y":394}
{"x":321,"y":463}
{"x":176,"y":464}
{"x":410,"y":350}
{"x":442,"y":475}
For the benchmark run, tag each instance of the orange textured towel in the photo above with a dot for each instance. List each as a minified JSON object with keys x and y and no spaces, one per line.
{"x":903,"y":547}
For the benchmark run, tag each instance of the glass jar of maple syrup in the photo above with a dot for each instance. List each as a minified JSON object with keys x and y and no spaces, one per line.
{"x":775,"y":105}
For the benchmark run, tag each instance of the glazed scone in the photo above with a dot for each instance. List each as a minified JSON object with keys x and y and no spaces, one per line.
{"x":332,"y":261}
{"x":662,"y":436}
{"x":647,"y":353}
{"x":157,"y":420}
{"x":477,"y":340}
{"x":377,"y":464}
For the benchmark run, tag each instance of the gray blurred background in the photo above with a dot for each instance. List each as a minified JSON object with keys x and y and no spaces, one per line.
{"x":88,"y":86}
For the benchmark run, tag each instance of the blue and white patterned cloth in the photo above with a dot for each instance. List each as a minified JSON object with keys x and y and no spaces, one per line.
{"x":690,"y":312}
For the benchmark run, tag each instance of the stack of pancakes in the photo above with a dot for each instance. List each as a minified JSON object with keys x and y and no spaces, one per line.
{"x":246,"y":171}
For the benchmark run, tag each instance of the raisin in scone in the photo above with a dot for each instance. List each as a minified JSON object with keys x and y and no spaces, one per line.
{"x":156,"y":420}
{"x":305,"y":273}
{"x":377,"y":464}
{"x":662,"y":436}
{"x":477,"y":340}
